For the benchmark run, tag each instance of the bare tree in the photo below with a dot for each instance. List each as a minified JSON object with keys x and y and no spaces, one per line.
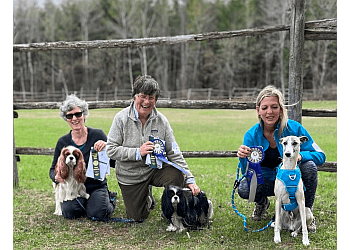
{"x":182,"y":83}
{"x":146,"y":27}
{"x":318,"y":50}
{"x":121,"y":13}
{"x":50,"y":26}
{"x":276,"y":13}
{"x":85,"y":9}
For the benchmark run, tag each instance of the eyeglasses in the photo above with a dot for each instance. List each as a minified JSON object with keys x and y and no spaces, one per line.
{"x":77,"y":115}
{"x":145,"y":97}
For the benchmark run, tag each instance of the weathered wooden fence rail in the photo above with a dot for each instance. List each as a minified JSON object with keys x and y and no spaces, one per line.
{"x":326,"y":167}
{"x":234,"y":94}
{"x":180,"y":104}
{"x":314,"y":30}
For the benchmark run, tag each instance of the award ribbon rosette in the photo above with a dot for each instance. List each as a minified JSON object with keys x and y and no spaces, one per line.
{"x":98,"y":166}
{"x":95,"y":164}
{"x":154,"y":160}
{"x":254,"y":175}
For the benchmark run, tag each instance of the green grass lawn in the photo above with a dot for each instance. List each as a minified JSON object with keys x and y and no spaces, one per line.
{"x":35,"y":226}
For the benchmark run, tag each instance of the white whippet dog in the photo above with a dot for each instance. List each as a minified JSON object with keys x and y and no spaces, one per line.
{"x":284,"y":219}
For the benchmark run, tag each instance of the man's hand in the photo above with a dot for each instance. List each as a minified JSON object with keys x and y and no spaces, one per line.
{"x":146,"y":148}
{"x":194,"y":188}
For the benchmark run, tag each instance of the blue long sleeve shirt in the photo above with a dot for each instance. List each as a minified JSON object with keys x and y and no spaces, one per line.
{"x":309,"y":150}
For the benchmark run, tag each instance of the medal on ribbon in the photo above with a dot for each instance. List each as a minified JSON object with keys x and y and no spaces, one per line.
{"x":254,"y":175}
{"x":158,"y":153}
{"x":95,"y":164}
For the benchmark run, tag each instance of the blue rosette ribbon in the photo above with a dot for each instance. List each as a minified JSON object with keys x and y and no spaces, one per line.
{"x":254,"y":175}
{"x":158,"y":152}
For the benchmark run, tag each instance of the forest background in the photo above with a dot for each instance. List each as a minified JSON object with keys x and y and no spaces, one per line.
{"x":218,"y":64}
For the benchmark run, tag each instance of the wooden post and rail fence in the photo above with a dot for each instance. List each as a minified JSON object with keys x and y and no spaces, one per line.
{"x":179,"y":104}
{"x":299,"y":32}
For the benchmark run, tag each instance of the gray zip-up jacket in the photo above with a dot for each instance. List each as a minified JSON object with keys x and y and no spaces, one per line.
{"x":127,"y":135}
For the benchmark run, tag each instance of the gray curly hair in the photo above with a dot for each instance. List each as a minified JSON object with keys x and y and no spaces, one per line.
{"x":273,"y":91}
{"x":70,"y":103}
{"x":147,"y":85}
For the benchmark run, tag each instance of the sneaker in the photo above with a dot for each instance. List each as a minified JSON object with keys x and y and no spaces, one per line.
{"x":311,"y":227}
{"x":310,"y":221}
{"x":260,"y":211}
{"x":151,"y":202}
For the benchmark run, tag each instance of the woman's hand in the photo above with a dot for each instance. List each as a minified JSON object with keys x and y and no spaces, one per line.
{"x":194,"y":188}
{"x":99,"y":145}
{"x":243,"y":151}
{"x":146,"y":148}
{"x":300,"y":157}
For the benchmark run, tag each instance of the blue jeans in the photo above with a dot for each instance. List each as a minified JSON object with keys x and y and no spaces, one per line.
{"x":308,"y":175}
{"x":98,"y":205}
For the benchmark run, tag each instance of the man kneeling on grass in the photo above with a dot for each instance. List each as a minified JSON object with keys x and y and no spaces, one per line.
{"x":130,"y":143}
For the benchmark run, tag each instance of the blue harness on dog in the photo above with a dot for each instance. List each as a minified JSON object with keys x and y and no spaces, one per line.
{"x":290,"y":179}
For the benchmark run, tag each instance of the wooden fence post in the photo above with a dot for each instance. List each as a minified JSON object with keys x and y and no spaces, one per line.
{"x":15,"y":169}
{"x":97,"y":93}
{"x":296,"y":60}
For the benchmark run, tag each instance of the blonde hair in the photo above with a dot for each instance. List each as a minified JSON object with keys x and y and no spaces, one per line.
{"x":273,"y":91}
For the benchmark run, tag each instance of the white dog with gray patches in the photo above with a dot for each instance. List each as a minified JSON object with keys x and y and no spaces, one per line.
{"x":289,"y":192}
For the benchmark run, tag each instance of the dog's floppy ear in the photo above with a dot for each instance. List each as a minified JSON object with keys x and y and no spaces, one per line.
{"x":79,"y":170}
{"x":182,"y":206}
{"x":203,"y":201}
{"x":303,"y":139}
{"x":167,"y":207}
{"x":61,"y":169}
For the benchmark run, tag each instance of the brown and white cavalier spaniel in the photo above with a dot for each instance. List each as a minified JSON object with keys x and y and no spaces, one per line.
{"x":70,"y":172}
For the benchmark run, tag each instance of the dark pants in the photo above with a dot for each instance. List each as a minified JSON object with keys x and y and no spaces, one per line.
{"x":135,"y":196}
{"x":308,"y":175}
{"x":98,"y":205}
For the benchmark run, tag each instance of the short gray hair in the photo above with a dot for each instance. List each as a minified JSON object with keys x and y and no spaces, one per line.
{"x":147,"y":85}
{"x":70,"y":103}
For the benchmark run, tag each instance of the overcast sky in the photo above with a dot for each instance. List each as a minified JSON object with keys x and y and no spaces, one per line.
{"x":40,"y":2}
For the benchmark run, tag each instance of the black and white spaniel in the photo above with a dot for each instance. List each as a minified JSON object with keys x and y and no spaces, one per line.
{"x":184,"y":210}
{"x":70,"y":172}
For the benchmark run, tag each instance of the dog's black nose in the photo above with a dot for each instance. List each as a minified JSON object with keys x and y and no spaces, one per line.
{"x":175,"y":197}
{"x":71,"y":158}
{"x":287,"y":154}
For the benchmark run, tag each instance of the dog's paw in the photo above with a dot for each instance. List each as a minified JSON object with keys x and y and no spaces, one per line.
{"x":171,"y":228}
{"x":294,"y":234}
{"x":306,"y":242}
{"x":277,"y":238}
{"x":87,"y":196}
{"x":180,"y":229}
{"x":58,"y":213}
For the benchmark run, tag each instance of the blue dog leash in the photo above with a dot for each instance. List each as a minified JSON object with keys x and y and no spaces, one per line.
{"x":235,"y":185}
{"x":107,"y":219}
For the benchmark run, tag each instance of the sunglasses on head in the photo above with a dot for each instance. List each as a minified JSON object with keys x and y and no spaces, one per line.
{"x":77,"y":115}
